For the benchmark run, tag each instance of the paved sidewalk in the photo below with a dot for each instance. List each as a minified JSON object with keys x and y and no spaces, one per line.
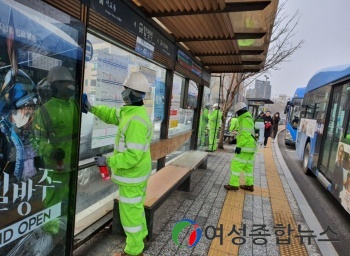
{"x":232,"y":214}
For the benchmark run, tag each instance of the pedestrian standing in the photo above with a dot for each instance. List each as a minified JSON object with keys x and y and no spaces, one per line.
{"x":131,"y":160}
{"x":243,"y":159}
{"x":214,"y":126}
{"x":268,"y":126}
{"x":276,"y":119}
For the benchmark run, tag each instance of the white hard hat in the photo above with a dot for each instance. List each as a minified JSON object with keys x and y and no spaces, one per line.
{"x":137,"y":81}
{"x":238,"y":106}
{"x":216,"y":105}
{"x":59,"y":73}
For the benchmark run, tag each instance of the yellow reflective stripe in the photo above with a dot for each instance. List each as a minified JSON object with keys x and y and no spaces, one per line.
{"x":235,"y":173}
{"x":243,"y":160}
{"x":122,"y":147}
{"x":132,"y":229}
{"x":144,"y":147}
{"x":117,"y":114}
{"x":248,"y":149}
{"x":248,"y":130}
{"x":248,"y":174}
{"x":131,"y":180}
{"x":127,"y":200}
{"x":136,"y":118}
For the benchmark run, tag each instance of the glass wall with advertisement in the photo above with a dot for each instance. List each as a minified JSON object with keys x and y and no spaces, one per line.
{"x":106,"y":68}
{"x":40,"y":66}
{"x":180,"y":118}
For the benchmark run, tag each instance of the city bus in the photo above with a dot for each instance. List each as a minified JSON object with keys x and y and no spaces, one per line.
{"x":293,"y":115}
{"x":323,"y":140}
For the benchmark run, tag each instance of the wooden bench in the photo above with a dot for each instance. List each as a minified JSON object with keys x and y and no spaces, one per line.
{"x":176,"y":175}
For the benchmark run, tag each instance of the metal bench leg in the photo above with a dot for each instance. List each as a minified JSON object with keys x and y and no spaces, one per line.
{"x":117,"y":228}
{"x":186,"y":185}
{"x":204,"y":164}
{"x":149,"y":219}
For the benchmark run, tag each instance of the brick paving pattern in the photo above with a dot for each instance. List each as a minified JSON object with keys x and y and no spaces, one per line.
{"x":210,"y":206}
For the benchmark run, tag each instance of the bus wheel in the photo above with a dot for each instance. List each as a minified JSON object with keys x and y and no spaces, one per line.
{"x":306,"y":157}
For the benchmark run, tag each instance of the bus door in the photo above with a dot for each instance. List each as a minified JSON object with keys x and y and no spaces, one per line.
{"x":333,"y":131}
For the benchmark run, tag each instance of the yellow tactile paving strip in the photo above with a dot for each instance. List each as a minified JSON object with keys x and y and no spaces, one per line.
{"x":281,"y":211}
{"x":232,"y":212}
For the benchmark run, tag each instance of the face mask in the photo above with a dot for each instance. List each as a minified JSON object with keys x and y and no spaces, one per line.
{"x":126,"y":96}
{"x":20,"y":119}
{"x":64,"y":91}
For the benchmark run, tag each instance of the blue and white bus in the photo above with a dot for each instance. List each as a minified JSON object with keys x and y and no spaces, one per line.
{"x":293,"y":116}
{"x":323,"y":141}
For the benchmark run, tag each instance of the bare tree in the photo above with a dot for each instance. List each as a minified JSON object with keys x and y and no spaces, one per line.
{"x":281,"y":47}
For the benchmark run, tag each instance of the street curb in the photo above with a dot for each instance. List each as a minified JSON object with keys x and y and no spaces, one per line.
{"x":326,"y":248}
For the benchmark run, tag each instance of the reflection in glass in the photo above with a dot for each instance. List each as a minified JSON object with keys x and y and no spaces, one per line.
{"x":37,"y":155}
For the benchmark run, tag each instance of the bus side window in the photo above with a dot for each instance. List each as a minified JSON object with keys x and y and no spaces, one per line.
{"x":310,"y":110}
{"x":346,"y":138}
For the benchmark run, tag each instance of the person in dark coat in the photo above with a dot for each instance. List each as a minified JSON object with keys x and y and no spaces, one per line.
{"x":276,"y":119}
{"x":268,"y":126}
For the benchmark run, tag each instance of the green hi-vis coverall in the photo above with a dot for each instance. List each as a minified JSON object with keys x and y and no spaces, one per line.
{"x":214,"y":126}
{"x":203,"y":125}
{"x":234,"y":124}
{"x":245,"y":160}
{"x":131,"y":166}
{"x":55,"y":125}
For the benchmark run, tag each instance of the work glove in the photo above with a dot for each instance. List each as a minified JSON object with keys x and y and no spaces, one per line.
{"x":100,"y":161}
{"x":58,"y":154}
{"x":237,"y":150}
{"x":86,"y":106}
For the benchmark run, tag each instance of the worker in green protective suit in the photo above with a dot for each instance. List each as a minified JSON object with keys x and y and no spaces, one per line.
{"x":214,"y":126}
{"x":131,"y":161}
{"x":234,"y":124}
{"x":55,"y":137}
{"x":203,"y":122}
{"x":243,"y":159}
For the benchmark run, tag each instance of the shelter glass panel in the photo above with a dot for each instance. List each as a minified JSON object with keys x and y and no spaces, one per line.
{"x":180,"y":118}
{"x":106,"y":69}
{"x":40,"y":64}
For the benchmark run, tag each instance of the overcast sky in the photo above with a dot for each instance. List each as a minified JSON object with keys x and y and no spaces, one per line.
{"x":325,"y":27}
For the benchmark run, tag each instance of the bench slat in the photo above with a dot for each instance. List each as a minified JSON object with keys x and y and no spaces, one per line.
{"x":162,"y":181}
{"x":190,"y":159}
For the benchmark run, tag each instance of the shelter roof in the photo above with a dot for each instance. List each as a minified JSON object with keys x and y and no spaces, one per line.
{"x":226,"y":36}
{"x":266,"y":101}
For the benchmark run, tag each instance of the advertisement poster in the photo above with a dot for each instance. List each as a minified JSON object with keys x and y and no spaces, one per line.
{"x":39,"y":59}
{"x":149,"y":98}
{"x":308,"y":126}
{"x":159,"y":101}
{"x":341,"y":176}
{"x":112,"y":70}
{"x":175,"y":102}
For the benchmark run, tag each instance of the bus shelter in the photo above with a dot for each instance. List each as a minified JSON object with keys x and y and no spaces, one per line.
{"x":254,"y":104}
{"x":96,"y":44}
